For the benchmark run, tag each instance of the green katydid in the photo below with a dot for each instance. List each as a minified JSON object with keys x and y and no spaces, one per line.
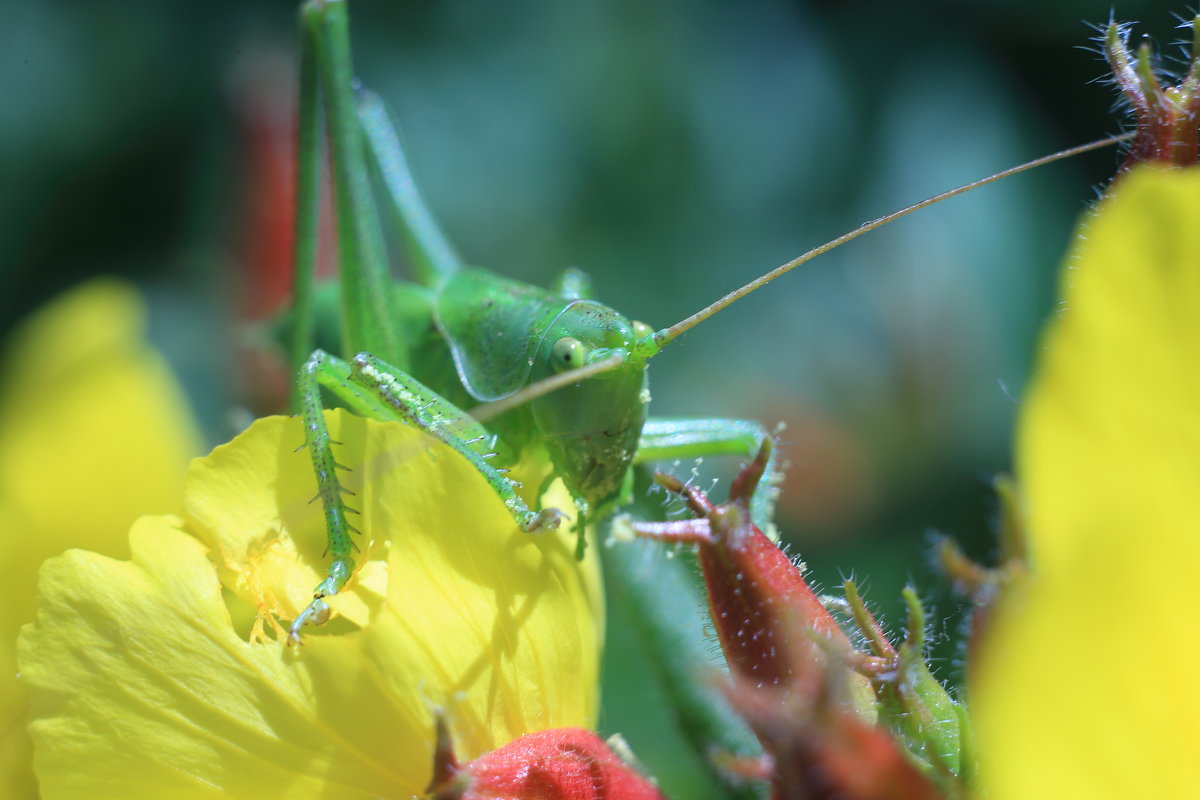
{"x":551,"y":368}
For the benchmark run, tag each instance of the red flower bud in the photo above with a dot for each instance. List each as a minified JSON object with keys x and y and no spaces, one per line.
{"x":757,"y":596}
{"x":797,"y":681}
{"x":818,"y":748}
{"x":556,"y":764}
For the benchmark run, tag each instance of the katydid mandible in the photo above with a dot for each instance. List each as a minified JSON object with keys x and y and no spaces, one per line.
{"x":539,"y":368}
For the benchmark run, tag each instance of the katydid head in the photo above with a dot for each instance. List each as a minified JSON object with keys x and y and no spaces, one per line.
{"x":591,"y":427}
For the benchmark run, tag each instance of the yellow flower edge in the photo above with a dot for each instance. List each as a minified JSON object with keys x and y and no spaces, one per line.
{"x":1109,"y":432}
{"x":94,"y":432}
{"x":144,"y":686}
{"x":1086,"y":687}
{"x":16,"y":749}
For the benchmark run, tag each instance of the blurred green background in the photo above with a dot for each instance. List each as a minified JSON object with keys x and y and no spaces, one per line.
{"x":672,"y":149}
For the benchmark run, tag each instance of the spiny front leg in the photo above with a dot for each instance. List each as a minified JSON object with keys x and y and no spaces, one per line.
{"x":373,"y":388}
{"x":377,"y":388}
{"x":330,"y":490}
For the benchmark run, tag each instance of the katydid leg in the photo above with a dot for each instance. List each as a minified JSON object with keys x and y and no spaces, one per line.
{"x":372,"y":388}
{"x":367,"y":315}
{"x":664,"y":439}
{"x":432,"y":256}
{"x":309,"y":142}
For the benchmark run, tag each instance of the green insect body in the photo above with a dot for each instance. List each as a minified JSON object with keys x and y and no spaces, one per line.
{"x":486,"y":338}
{"x":553,"y":369}
{"x":480,"y":338}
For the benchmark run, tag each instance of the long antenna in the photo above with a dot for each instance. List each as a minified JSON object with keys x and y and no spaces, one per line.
{"x":652,"y":343}
{"x":667,"y":334}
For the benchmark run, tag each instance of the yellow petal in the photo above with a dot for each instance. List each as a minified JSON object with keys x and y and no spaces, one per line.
{"x":1109,"y":434}
{"x":502,"y":628}
{"x":140,"y":662}
{"x":1087,"y":686}
{"x":93,"y":433}
{"x":142,"y":688}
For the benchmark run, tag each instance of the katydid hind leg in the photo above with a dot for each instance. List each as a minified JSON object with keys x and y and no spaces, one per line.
{"x":367,"y":314}
{"x":340,"y":543}
{"x":431,"y":254}
{"x":664,"y":439}
{"x":307,"y":210}
{"x":370,"y":387}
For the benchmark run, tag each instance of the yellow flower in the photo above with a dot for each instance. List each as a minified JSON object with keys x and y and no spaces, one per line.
{"x":93,"y":432}
{"x":1087,"y":688}
{"x":147,"y":681}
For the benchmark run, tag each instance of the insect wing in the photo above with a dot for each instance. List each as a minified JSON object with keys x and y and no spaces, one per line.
{"x":495,"y":328}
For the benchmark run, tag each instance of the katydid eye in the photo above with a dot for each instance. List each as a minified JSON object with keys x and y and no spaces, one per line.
{"x":641,"y":330}
{"x":567,"y":353}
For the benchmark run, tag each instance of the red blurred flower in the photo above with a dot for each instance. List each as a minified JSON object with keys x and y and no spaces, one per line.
{"x":557,"y":764}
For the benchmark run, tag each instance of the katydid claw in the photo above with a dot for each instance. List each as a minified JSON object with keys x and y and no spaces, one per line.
{"x":317,"y":613}
{"x":548,"y":519}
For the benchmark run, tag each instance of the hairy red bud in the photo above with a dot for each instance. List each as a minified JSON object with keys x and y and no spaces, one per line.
{"x":556,"y":764}
{"x":757,"y":597}
{"x":795,"y":674}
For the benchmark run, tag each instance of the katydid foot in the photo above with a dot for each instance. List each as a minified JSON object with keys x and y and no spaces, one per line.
{"x":547,"y":519}
{"x":317,"y":613}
